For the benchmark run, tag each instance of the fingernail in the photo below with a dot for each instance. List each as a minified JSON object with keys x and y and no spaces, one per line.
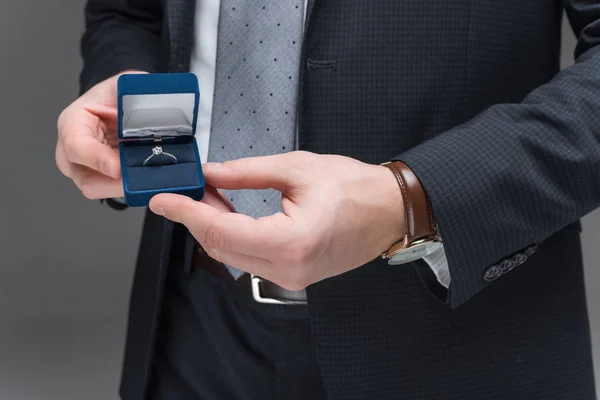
{"x":158,"y":211}
{"x":105,"y":168}
{"x":212,"y":165}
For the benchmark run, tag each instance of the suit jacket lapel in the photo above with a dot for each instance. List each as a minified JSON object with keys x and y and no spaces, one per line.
{"x":309,"y":8}
{"x":180,"y":20}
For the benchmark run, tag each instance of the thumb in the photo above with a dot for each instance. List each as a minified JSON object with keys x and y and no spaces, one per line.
{"x":182,"y":209}
{"x":251,"y":173}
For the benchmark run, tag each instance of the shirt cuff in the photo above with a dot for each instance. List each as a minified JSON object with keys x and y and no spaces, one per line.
{"x":438,"y":263}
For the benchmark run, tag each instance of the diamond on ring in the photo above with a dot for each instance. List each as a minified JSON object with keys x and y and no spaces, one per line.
{"x":158,"y":151}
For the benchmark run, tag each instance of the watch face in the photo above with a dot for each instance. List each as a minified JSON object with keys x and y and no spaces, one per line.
{"x":415,"y":252}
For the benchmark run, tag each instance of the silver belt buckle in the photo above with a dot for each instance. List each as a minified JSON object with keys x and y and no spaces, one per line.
{"x":258,"y":297}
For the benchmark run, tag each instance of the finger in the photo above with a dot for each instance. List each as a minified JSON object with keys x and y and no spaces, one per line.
{"x":182,"y":209}
{"x":227,"y":231}
{"x":62,"y":163}
{"x":106,"y":112}
{"x":89,"y":152}
{"x":107,"y":123}
{"x":94,"y":185}
{"x":250,"y":264}
{"x":215,"y":199}
{"x":264,"y":237}
{"x":251,"y":173}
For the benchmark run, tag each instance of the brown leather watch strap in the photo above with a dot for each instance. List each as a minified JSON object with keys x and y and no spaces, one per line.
{"x":418,"y":213}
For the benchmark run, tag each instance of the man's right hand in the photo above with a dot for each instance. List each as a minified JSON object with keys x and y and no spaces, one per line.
{"x":86,"y":150}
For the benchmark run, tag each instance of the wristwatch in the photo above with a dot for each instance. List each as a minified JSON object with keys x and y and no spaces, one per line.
{"x":420,"y":238}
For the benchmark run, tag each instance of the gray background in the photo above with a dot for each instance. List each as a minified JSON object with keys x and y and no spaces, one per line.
{"x":67,"y":263}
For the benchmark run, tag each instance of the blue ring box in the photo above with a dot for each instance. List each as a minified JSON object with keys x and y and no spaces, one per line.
{"x":159,"y":110}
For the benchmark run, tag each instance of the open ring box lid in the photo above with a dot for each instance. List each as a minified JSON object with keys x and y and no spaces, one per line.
{"x":159,"y":110}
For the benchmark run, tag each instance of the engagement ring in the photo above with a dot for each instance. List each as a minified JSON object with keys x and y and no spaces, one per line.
{"x":158,"y":151}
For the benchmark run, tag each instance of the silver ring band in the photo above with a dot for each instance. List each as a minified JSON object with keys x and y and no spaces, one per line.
{"x":158,"y":151}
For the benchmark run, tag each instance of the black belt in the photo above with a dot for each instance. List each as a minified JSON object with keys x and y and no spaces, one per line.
{"x":262,"y":290}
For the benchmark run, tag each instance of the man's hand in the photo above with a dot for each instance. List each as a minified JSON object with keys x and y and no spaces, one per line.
{"x":339,"y":214}
{"x":86,"y":150}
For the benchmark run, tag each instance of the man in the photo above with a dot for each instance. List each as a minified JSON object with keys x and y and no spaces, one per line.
{"x":496,"y":156}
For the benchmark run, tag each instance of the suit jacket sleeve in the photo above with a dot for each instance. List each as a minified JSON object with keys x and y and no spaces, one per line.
{"x":517,"y":173}
{"x":120,"y":35}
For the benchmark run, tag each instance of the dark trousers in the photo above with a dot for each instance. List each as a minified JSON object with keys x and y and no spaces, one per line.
{"x":216,"y":342}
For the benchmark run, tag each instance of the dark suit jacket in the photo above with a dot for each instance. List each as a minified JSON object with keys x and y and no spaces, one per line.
{"x":469,"y":94}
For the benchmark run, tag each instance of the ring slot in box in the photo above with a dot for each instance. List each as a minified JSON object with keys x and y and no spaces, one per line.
{"x":157,"y":120}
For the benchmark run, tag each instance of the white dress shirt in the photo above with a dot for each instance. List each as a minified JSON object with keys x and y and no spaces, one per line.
{"x":203,"y":64}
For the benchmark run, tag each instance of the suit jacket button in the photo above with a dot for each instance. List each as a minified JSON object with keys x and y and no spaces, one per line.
{"x":530,"y":250}
{"x":493,"y":273}
{"x":507,"y":265}
{"x":519,"y":259}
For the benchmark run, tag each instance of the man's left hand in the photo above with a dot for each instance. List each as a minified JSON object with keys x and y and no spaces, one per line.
{"x":338,"y":214}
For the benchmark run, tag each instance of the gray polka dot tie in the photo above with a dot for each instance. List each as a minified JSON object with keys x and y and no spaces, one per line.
{"x":256,"y":90}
